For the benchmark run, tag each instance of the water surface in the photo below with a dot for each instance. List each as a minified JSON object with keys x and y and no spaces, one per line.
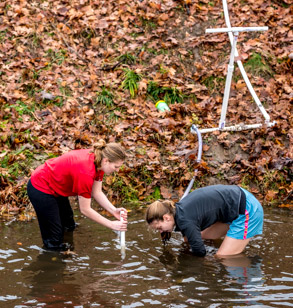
{"x":150,"y":275}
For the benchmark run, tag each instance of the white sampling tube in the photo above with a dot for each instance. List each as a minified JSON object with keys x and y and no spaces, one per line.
{"x":122,"y":239}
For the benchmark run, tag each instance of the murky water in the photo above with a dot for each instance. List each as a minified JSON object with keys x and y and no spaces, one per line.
{"x":150,"y":275}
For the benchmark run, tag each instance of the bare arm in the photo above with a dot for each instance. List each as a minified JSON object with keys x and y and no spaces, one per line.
{"x":88,"y":211}
{"x":102,"y":199}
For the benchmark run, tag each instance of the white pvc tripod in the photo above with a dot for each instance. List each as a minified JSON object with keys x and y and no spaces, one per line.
{"x":233,"y":33}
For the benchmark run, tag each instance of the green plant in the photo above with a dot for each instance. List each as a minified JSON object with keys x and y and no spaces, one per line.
{"x":88,"y":33}
{"x":195,"y":119}
{"x":126,"y":58}
{"x":140,"y":150}
{"x":163,"y":69}
{"x":130,"y":82}
{"x":57,"y":57}
{"x":135,"y":34}
{"x":34,"y":39}
{"x":170,"y":95}
{"x":2,"y":36}
{"x":3,"y":124}
{"x":154,"y":91}
{"x":154,"y":196}
{"x":128,"y":192}
{"x":173,"y":95}
{"x":257,"y":65}
{"x":64,"y":89}
{"x":148,"y":24}
{"x":272,"y":179}
{"x":143,"y":173}
{"x":15,"y":165}
{"x":23,"y":108}
{"x":214,"y":83}
{"x":111,"y":116}
{"x":31,"y":89}
{"x":157,"y":193}
{"x":245,"y":181}
{"x":105,"y":97}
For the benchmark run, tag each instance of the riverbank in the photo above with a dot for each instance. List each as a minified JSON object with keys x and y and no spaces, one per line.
{"x":74,"y":73}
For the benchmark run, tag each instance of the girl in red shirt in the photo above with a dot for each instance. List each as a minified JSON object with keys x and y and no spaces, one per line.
{"x":76,"y":173}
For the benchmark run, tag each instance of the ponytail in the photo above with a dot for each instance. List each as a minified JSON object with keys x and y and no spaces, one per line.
{"x":112,"y":151}
{"x":158,"y":209}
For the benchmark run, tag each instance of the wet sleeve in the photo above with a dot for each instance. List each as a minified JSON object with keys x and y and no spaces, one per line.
{"x":193,"y":234}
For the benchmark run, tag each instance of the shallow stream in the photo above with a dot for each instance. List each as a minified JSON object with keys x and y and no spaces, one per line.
{"x":150,"y":275}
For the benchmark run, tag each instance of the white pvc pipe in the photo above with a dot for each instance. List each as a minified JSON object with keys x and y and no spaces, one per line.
{"x":236,"y":29}
{"x":194,"y":130}
{"x":252,"y":92}
{"x":241,"y":68}
{"x":228,"y":83}
{"x":238,"y":127}
{"x":122,"y":239}
{"x":188,"y":188}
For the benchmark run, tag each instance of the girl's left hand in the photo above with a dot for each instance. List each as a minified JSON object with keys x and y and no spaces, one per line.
{"x":123,"y":214}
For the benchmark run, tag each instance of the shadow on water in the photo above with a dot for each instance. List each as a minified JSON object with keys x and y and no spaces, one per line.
{"x":151,"y":275}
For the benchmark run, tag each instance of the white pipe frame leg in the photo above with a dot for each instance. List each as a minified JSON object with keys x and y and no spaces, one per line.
{"x":233,"y":35}
{"x":228,"y":83}
{"x":122,"y":239}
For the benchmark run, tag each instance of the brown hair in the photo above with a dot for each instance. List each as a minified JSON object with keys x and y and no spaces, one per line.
{"x":113,"y":151}
{"x":158,"y":209}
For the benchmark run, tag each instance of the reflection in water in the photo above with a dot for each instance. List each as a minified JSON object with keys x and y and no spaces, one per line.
{"x":49,"y":283}
{"x":246,"y":277}
{"x":114,"y":282}
{"x":240,"y":277}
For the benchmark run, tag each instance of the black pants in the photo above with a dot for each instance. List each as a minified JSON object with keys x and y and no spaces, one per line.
{"x":54,"y":216}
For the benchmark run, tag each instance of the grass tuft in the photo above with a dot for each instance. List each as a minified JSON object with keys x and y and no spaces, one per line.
{"x":105,"y":97}
{"x":130,"y":82}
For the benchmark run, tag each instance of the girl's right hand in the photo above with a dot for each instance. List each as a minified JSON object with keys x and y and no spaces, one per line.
{"x":118,"y":225}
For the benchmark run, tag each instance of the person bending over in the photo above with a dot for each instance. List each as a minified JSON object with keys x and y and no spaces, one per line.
{"x":209,"y":213}
{"x":76,"y":173}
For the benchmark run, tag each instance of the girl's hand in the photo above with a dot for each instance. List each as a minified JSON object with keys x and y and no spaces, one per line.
{"x":121,"y":212}
{"x":118,"y":225}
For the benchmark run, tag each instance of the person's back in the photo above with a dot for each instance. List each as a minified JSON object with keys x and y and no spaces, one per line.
{"x":209,"y":204}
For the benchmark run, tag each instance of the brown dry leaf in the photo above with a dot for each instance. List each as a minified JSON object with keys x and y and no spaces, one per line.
{"x":271,"y":195}
{"x":155,"y":5}
{"x":286,"y":205}
{"x":163,"y":17}
{"x":152,"y":154}
{"x":166,"y":192}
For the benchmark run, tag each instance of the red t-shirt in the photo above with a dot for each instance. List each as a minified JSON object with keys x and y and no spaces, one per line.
{"x":71,"y":174}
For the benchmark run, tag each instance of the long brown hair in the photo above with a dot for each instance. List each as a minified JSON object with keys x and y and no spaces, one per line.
{"x":113,"y":151}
